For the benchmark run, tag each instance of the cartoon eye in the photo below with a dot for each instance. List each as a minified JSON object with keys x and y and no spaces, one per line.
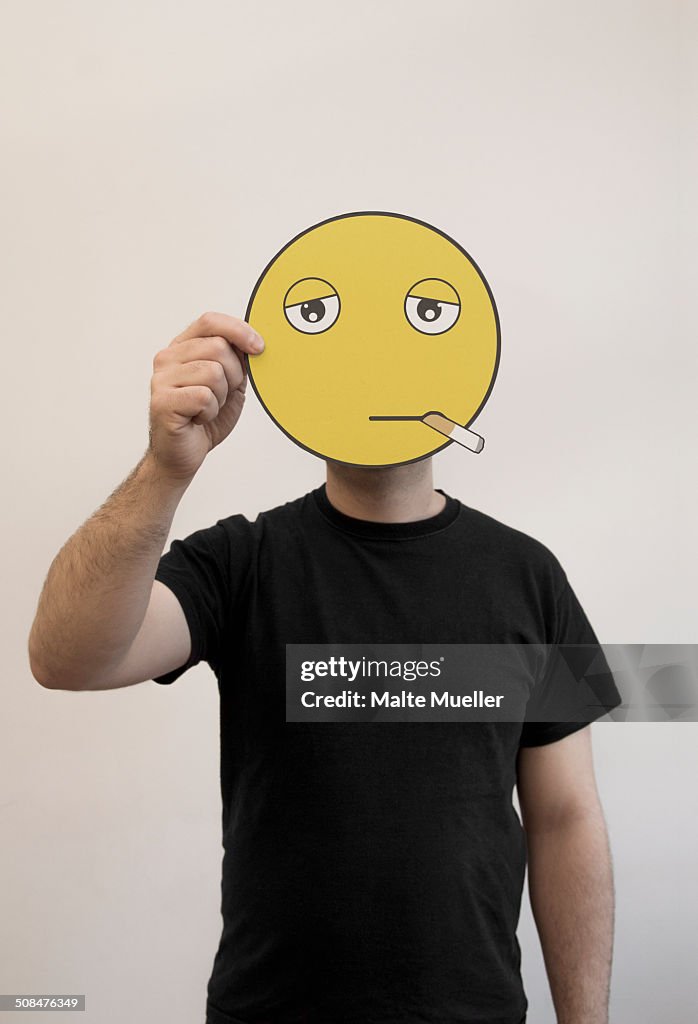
{"x":311,"y":305}
{"x":432,"y":306}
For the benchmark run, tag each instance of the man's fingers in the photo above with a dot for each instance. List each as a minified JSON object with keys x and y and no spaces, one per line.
{"x":237,"y":332}
{"x":199,"y":372}
{"x":195,"y":402}
{"x":215,"y":348}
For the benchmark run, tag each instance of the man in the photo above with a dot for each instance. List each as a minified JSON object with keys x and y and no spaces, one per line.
{"x":371,"y":871}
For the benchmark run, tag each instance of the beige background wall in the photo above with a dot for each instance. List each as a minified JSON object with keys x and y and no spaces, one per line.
{"x":156,"y":155}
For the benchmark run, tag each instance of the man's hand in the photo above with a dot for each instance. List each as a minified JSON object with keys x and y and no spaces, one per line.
{"x":197,"y":391}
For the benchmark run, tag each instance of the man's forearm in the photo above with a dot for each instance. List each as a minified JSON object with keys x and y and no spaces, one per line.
{"x":572,"y":898}
{"x":97,"y":589}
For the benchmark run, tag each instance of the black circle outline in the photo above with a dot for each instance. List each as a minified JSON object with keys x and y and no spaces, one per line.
{"x":329,"y":285}
{"x":433,"y":334}
{"x":399,"y":216}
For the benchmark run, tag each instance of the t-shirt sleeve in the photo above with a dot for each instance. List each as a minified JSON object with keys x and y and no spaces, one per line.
{"x":576,"y":686}
{"x":206,"y":571}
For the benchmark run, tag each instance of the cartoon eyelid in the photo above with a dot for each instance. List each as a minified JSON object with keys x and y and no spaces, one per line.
{"x":434,"y":289}
{"x":315,"y":298}
{"x":309,"y":289}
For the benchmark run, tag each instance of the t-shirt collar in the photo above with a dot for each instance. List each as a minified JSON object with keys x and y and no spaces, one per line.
{"x":387,"y":531}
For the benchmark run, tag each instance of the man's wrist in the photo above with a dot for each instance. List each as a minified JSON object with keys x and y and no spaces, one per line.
{"x":161,"y":483}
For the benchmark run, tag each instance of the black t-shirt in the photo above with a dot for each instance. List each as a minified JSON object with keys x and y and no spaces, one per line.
{"x":372,"y":872}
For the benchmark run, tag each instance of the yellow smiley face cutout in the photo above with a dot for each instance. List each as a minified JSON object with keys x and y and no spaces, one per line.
{"x":382,"y":340}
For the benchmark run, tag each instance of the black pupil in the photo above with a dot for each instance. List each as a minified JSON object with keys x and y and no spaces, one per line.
{"x":428,"y":310}
{"x":314,"y":311}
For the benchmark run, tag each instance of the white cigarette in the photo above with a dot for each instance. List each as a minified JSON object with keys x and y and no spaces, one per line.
{"x":462,"y":435}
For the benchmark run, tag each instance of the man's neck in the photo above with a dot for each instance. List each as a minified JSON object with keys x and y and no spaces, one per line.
{"x":398,"y":494}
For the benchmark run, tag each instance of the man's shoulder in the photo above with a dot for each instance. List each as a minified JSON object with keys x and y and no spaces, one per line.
{"x":288,"y":513}
{"x":509,"y":541}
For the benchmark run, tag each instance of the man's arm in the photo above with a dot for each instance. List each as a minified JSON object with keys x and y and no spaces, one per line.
{"x":100,"y":604}
{"x":103,"y":621}
{"x":569,"y":874}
